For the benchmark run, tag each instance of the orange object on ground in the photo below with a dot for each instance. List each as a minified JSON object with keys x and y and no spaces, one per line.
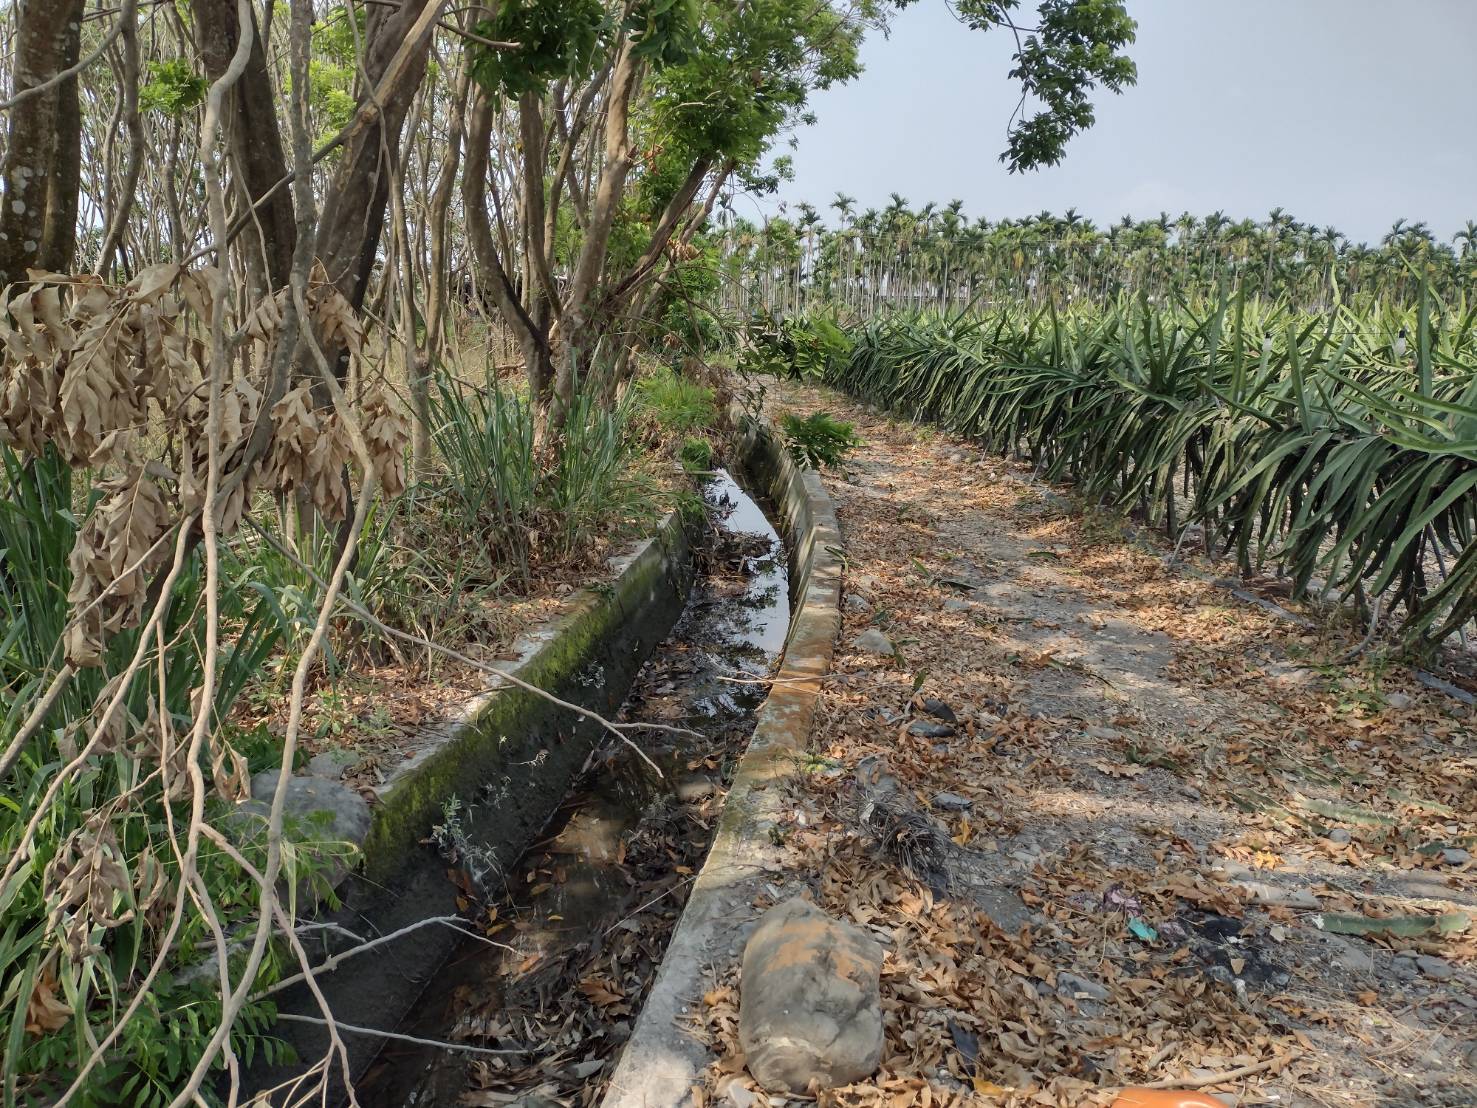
{"x":1165,"y":1098}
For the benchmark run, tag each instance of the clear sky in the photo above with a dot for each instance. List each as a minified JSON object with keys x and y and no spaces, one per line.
{"x":1349,"y":112}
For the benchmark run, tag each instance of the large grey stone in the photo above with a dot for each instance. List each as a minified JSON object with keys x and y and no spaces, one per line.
{"x":939,"y":710}
{"x":320,"y":813}
{"x":333,"y":764}
{"x":810,"y":1007}
{"x":1435,"y":968}
{"x":873,"y":641}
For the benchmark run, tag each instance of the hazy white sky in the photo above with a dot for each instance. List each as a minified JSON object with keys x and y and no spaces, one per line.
{"x":1349,"y":112}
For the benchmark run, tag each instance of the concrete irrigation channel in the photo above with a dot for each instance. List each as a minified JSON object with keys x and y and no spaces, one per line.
{"x":591,"y":879}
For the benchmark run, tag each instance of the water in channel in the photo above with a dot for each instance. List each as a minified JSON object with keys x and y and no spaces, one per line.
{"x":584,"y":919}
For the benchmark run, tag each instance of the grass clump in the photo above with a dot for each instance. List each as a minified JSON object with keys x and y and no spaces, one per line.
{"x":676,"y":405}
{"x":531,"y":505}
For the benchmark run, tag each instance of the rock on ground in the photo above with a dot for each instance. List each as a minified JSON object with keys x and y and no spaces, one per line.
{"x":939,"y":710}
{"x":810,"y":1006}
{"x":924,"y":729}
{"x":951,"y":802}
{"x":331,"y":765}
{"x":873,"y":641}
{"x":318,"y":811}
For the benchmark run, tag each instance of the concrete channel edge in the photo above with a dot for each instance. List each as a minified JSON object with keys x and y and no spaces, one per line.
{"x":662,"y":1061}
{"x":513,"y":754}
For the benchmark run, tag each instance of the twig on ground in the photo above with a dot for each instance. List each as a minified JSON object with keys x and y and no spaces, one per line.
{"x":355,"y":1029}
{"x":664,"y":893}
{"x":1374,"y":625}
{"x":328,"y":965}
{"x":1227,"y":1075}
{"x":777,"y":680}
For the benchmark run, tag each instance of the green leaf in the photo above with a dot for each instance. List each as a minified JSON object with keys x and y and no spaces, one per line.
{"x":1404,"y":926}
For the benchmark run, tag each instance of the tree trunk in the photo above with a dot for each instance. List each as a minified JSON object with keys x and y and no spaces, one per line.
{"x":397,"y":44}
{"x":39,"y":171}
{"x":439,"y":214}
{"x":122,"y":199}
{"x":64,"y":182}
{"x":250,"y":117}
{"x":532,"y":339}
{"x":579,"y":324}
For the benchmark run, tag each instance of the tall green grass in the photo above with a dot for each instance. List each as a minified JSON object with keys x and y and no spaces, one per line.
{"x":485,"y":438}
{"x":521,"y":501}
{"x":1330,"y":446}
{"x":117,"y":797}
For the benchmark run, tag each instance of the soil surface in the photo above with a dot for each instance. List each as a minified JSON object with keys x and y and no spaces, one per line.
{"x":1182,"y":835}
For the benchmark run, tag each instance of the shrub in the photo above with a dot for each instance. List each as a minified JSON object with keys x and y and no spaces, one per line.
{"x":697,"y":455}
{"x":286,"y":575}
{"x":490,"y":477}
{"x":523,"y":503}
{"x":808,"y":347}
{"x":818,"y":439}
{"x":69,"y":967}
{"x":592,"y":482}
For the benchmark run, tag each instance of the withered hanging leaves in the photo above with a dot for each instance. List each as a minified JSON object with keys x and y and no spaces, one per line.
{"x":239,"y":405}
{"x":83,"y":359}
{"x":228,"y":769}
{"x":158,"y":741}
{"x":96,"y":370}
{"x":152,"y":282}
{"x":386,"y":432}
{"x":115,"y":553}
{"x":123,"y":355}
{"x":309,"y":452}
{"x":332,"y":314}
{"x":29,"y":399}
{"x":150,"y":882}
{"x":86,"y":885}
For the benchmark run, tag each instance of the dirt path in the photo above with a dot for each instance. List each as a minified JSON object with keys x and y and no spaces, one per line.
{"x":1168,"y":813}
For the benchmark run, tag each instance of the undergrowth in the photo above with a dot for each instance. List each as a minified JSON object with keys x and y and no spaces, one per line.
{"x":1322,"y":446}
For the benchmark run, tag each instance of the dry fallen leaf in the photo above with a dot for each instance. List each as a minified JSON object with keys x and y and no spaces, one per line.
{"x":600,"y":991}
{"x":1111,"y":770}
{"x":45,"y":1011}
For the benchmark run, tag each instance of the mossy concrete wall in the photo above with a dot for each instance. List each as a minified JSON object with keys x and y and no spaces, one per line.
{"x":662,"y":1061}
{"x":514,"y":750}
{"x":508,"y":759}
